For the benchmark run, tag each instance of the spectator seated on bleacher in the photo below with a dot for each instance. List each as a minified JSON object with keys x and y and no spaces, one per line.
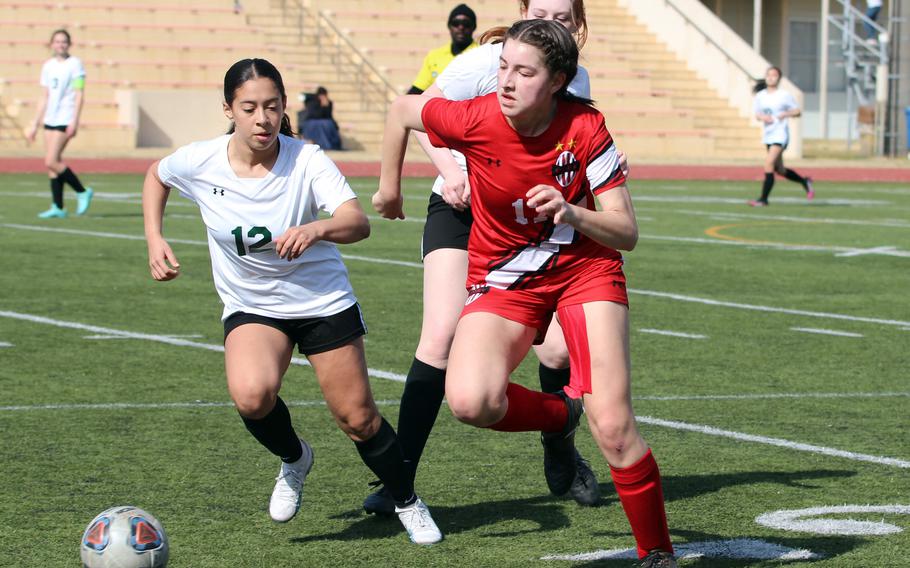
{"x":315,"y":122}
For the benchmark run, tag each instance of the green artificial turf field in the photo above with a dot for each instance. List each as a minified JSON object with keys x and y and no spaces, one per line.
{"x":770,"y":347}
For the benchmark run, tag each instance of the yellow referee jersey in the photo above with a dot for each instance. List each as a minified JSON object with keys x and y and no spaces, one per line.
{"x":433,"y":64}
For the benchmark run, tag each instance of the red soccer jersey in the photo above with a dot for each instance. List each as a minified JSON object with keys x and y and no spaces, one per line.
{"x":509,"y":247}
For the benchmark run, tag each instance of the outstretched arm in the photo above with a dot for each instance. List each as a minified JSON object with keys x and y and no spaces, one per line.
{"x":455,"y":190}
{"x":404,"y":115}
{"x":162,"y":262}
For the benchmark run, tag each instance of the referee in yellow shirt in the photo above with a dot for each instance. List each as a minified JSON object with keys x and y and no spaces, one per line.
{"x":462,"y":23}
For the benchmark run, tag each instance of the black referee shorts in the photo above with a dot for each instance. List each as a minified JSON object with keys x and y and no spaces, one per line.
{"x":445,"y":227}
{"x":311,"y":335}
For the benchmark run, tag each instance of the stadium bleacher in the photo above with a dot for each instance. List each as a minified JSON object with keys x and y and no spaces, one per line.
{"x":655,"y":106}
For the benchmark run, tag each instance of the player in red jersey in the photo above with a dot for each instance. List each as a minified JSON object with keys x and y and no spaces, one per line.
{"x":537,"y":161}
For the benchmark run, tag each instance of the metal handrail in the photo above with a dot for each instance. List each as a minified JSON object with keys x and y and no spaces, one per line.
{"x":325,"y":20}
{"x":708,"y":37}
{"x":367,"y":74}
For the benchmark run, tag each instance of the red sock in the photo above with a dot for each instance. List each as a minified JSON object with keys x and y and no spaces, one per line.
{"x":531,"y":410}
{"x":638,"y":487}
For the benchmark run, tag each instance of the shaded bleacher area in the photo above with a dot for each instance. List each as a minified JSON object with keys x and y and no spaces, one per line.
{"x":363,"y":52}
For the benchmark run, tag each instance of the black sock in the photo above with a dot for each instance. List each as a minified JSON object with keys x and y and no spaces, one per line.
{"x":766,"y":187}
{"x":69,"y":177}
{"x":793,"y":176}
{"x":552,"y":380}
{"x":57,"y":191}
{"x":275,"y":432}
{"x":420,"y":402}
{"x":382,"y":454}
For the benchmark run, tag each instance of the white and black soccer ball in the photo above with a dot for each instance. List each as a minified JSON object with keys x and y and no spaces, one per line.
{"x":124,"y":537}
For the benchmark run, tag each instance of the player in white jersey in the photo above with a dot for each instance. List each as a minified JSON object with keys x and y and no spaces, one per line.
{"x":445,"y":259}
{"x":59,"y":108}
{"x":279,"y":274}
{"x":774,"y":107}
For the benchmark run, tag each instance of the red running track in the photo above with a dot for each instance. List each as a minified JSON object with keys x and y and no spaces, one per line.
{"x":363,"y":169}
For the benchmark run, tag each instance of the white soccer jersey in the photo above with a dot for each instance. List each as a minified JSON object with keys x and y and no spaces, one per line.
{"x":244,"y":216}
{"x":474,"y":74}
{"x":60,"y":78}
{"x":768,"y":103}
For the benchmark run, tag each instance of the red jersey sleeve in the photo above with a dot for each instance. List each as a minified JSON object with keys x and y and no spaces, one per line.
{"x":603,"y":169}
{"x":449,"y":123}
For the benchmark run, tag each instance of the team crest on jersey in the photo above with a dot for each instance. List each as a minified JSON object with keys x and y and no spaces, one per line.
{"x":565,"y":168}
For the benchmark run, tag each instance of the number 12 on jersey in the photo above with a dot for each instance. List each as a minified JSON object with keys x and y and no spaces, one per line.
{"x":519,"y":206}
{"x":252,"y":233}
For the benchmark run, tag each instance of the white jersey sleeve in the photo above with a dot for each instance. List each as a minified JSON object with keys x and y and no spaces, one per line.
{"x":46,"y":74}
{"x":330,"y":188}
{"x":471,"y":74}
{"x":581,"y":84}
{"x":178,"y":170}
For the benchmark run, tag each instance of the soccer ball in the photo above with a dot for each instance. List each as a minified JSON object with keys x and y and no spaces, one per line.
{"x":124,"y":537}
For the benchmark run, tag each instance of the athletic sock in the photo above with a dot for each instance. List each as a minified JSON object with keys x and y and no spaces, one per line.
{"x":793,"y":176}
{"x":552,"y":380}
{"x":766,"y":186}
{"x":423,"y":392}
{"x":275,"y":432}
{"x":639,"y":490}
{"x":57,"y":191}
{"x":69,"y":177}
{"x":531,"y":411}
{"x":382,"y":454}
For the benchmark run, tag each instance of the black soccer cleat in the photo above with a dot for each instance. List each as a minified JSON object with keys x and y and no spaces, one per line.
{"x":658,"y":559}
{"x":559,"y":463}
{"x":379,"y":502}
{"x":585,"y":489}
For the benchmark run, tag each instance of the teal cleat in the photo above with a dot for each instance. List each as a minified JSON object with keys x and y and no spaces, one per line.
{"x":83,"y":200}
{"x":53,"y":212}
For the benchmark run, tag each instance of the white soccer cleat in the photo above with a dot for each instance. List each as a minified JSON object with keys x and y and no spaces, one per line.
{"x":419,"y":523}
{"x":285,"y":501}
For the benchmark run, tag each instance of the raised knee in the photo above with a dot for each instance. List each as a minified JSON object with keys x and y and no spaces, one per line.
{"x":612,"y":435}
{"x":359,"y":426}
{"x":253,"y":404}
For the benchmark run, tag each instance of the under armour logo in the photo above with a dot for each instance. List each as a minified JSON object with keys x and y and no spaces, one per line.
{"x":215,"y":191}
{"x":491,"y":161}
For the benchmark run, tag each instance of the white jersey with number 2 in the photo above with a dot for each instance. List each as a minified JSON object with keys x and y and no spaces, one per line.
{"x":244,"y":216}
{"x":773,"y":104}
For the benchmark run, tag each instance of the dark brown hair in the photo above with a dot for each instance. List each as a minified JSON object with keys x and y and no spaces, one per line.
{"x":247,"y":69}
{"x":761,"y":84}
{"x":557,"y":47}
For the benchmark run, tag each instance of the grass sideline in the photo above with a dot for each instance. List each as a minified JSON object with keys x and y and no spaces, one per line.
{"x":706,"y":265}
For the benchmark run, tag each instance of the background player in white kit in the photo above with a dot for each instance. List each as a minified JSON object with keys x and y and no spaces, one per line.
{"x":775,"y":107}
{"x":445,"y":260}
{"x":282,"y":281}
{"x":59,"y":109}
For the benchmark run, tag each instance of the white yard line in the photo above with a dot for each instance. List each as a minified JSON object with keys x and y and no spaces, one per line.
{"x":162,"y":339}
{"x":839,"y":251}
{"x":5,"y":344}
{"x":307,"y":403}
{"x":827,"y":332}
{"x":759,"y":396}
{"x":161,"y":405}
{"x":742,"y":200}
{"x":185,"y":242}
{"x":653,"y":293}
{"x":400,"y":378}
{"x":768,"y":309}
{"x":740,"y":548}
{"x":779,"y":442}
{"x":673,"y":333}
{"x":892,"y":223}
